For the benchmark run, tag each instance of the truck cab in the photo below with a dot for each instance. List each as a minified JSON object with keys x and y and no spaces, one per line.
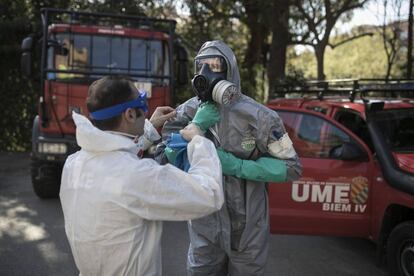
{"x":358,"y":167}
{"x":77,"y":48}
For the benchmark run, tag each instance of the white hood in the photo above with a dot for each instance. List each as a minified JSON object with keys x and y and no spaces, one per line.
{"x":90,"y":138}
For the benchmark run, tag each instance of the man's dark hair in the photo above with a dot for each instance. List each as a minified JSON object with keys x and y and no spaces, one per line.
{"x":106,"y":92}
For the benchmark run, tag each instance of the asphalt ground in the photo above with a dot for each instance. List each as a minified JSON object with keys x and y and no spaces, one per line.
{"x":33,"y":241}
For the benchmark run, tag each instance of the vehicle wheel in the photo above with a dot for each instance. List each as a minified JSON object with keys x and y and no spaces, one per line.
{"x":400,"y":250}
{"x":45,"y":178}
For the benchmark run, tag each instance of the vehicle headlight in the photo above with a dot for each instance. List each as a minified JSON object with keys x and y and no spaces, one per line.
{"x":56,"y":148}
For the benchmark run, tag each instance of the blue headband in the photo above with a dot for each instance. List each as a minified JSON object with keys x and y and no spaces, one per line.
{"x":112,"y":111}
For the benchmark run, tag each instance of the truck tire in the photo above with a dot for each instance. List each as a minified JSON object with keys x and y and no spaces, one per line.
{"x":45,"y":178}
{"x":400,"y":250}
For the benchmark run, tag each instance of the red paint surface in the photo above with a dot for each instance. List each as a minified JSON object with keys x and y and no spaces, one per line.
{"x":100,"y":30}
{"x":405,"y":161}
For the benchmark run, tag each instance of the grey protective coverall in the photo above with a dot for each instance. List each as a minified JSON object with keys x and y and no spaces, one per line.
{"x":234,"y":240}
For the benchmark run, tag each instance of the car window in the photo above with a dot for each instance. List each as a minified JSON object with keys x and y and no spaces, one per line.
{"x":311,"y":135}
{"x":355,"y":123}
{"x":310,"y":128}
{"x":397,"y":127}
{"x":146,"y":56}
{"x":110,"y":53}
{"x":119,"y":55}
{"x":101,"y":54}
{"x":319,"y":109}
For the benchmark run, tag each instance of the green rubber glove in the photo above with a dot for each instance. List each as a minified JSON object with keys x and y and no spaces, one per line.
{"x":171,"y":155}
{"x":263,"y":169}
{"x":207,"y":116}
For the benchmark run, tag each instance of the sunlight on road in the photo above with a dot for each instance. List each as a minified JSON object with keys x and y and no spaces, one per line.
{"x":49,"y":252}
{"x":15,"y":221}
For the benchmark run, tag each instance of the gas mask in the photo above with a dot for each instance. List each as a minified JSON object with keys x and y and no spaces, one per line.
{"x":209,"y":82}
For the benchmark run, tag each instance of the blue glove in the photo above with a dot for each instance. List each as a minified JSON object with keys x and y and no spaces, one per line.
{"x":176,"y":152}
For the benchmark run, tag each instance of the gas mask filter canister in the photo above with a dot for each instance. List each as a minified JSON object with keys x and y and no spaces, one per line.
{"x":224,"y":92}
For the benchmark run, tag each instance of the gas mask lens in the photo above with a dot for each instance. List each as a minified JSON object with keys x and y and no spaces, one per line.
{"x":216,"y":64}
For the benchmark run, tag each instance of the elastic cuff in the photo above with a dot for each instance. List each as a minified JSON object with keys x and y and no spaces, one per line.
{"x":150,"y":132}
{"x":146,"y":143}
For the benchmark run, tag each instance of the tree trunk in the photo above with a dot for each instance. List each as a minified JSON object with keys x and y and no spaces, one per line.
{"x":258,"y":32}
{"x":410,"y":41}
{"x":389,"y":67}
{"x":280,"y":39}
{"x":320,"y":55}
{"x":253,"y":52}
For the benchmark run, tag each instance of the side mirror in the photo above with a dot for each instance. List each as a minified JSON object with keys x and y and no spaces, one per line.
{"x":348,"y":151}
{"x":27,"y":44}
{"x":26,"y":59}
{"x":182,"y":60}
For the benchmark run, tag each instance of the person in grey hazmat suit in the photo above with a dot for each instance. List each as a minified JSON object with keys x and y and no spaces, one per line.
{"x":253,"y":148}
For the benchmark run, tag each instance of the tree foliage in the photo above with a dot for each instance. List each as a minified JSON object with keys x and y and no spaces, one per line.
{"x":360,"y":58}
{"x":259,"y":32}
{"x":315,"y":22}
{"x":390,"y":30}
{"x":17,"y":96}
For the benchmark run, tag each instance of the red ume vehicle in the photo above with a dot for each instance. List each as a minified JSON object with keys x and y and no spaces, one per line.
{"x":357,"y":153}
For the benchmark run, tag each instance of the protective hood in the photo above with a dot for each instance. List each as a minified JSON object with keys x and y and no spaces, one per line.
{"x":217,"y":47}
{"x":91,"y":138}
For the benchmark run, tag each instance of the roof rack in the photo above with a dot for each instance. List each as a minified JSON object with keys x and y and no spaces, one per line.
{"x":71,"y":17}
{"x":352,"y":87}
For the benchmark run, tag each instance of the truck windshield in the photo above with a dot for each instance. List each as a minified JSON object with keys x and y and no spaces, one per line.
{"x":99,"y":54}
{"x":398,"y":128}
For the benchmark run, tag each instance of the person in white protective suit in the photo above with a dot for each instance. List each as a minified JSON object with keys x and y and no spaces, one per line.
{"x":253,"y":147}
{"x":113,"y":201}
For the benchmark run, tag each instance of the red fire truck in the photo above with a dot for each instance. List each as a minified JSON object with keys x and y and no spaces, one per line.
{"x":357,"y":153}
{"x":77,"y":48}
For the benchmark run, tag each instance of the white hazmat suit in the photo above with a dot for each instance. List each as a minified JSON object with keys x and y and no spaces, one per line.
{"x":113,"y":202}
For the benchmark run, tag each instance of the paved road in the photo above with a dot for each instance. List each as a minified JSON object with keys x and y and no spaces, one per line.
{"x":33,"y":242}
